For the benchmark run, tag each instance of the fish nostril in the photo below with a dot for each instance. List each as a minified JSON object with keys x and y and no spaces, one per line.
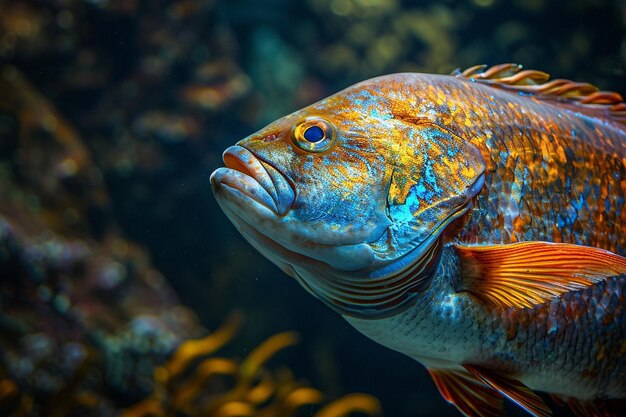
{"x":270,"y":138}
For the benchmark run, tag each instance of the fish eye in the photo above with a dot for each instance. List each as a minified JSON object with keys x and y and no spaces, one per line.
{"x":313,"y":134}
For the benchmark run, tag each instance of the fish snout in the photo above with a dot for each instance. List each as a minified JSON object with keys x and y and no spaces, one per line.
{"x":255,"y":178}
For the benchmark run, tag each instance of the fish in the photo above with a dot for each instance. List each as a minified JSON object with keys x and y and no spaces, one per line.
{"x":473,"y":221}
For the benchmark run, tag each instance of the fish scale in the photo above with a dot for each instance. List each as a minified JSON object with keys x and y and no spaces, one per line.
{"x":531,"y":132}
{"x":524,"y":342}
{"x":473,"y":222}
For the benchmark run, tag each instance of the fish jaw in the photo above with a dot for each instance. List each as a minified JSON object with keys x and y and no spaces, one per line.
{"x":258,"y":200}
{"x":253,"y":193}
{"x":247,"y":177}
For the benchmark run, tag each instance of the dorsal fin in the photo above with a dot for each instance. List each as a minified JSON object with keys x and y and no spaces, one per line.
{"x":584,"y":97}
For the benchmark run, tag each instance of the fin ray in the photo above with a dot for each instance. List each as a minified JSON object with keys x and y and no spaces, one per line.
{"x":584,"y":96}
{"x":512,"y":389}
{"x":471,"y":396}
{"x":529,"y":273}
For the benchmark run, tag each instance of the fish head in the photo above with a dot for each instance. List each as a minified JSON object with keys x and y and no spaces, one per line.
{"x":350,"y":196}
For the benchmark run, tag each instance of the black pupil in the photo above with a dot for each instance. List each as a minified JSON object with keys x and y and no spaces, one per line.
{"x":314,"y":134}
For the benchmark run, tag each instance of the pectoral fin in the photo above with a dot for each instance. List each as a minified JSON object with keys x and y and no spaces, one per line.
{"x":512,"y":389}
{"x":472,"y":396}
{"x":528,"y":273}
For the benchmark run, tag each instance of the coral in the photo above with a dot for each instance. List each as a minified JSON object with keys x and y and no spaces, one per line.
{"x":84,"y":315}
{"x":194,"y":382}
{"x":86,"y":321}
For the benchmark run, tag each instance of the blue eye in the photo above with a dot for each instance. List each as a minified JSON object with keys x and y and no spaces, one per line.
{"x":314,"y":134}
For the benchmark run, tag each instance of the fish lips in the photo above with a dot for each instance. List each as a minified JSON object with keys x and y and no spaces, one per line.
{"x":246,"y":174}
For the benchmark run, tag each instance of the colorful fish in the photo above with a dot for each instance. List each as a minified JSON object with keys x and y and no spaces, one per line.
{"x":475,"y":222}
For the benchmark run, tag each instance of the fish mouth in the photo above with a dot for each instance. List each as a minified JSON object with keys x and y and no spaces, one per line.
{"x":246,"y":174}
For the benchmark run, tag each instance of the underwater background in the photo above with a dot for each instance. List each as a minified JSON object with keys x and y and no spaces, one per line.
{"x":113,"y":251}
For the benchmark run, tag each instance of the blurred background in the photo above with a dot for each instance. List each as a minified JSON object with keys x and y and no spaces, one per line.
{"x":113,"y":114}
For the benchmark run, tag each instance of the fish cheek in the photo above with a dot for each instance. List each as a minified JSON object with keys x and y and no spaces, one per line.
{"x":435,"y":176}
{"x":340,"y":200}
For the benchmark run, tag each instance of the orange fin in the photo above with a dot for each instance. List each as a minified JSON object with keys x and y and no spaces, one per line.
{"x":470,"y":395}
{"x":512,"y":389}
{"x":529,"y":273}
{"x":597,"y":408}
{"x":585,"y":97}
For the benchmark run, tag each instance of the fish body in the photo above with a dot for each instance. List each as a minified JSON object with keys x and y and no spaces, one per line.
{"x":474,"y":222}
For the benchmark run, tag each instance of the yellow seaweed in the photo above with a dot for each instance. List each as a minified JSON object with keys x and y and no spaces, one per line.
{"x":195,"y":383}
{"x":235,"y":409}
{"x":349,"y":404}
{"x":265,"y":351}
{"x":300,"y":397}
{"x":193,"y":349}
{"x":206,"y":370}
